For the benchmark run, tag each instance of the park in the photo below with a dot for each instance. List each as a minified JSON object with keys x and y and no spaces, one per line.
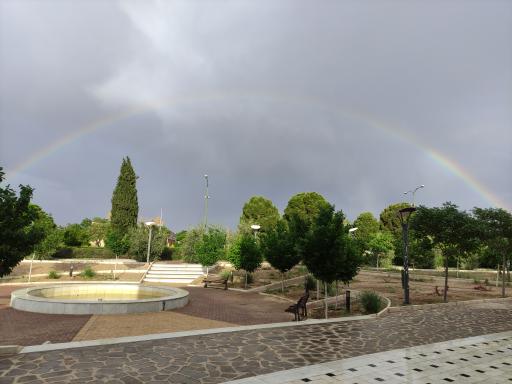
{"x":273,"y":293}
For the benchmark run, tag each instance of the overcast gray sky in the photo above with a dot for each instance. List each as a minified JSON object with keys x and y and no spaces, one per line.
{"x":272,"y":98}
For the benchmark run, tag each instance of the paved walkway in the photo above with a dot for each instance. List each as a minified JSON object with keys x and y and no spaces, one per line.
{"x":207,"y":308}
{"x":217,"y":358}
{"x":480,"y":359}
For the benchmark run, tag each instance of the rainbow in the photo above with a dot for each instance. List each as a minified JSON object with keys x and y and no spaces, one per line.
{"x":441,"y":159}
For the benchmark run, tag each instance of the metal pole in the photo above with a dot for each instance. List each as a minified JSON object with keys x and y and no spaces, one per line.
{"x":405,"y":230}
{"x":149,"y":242}
{"x":206,"y":197}
{"x":30,"y":271}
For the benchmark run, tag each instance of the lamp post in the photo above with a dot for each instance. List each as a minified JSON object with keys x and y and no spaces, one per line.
{"x":405,"y":215}
{"x":206,"y":197}
{"x":255,"y":228}
{"x":150,"y":225}
{"x":352,"y":231}
{"x":413,"y":191}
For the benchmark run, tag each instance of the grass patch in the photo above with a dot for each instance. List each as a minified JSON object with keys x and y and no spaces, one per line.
{"x":53,"y":275}
{"x":88,"y":273}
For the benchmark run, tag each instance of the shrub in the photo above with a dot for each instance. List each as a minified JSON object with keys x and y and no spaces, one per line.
{"x":53,"y":275}
{"x":166,"y":254}
{"x":310,"y":283}
{"x":225,"y":274}
{"x":370,"y":301}
{"x":88,"y":273}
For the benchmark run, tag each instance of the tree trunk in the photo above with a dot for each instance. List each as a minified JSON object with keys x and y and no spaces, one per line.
{"x":445,"y":293}
{"x":508,"y":271}
{"x":377,"y":261}
{"x":317,"y":289}
{"x":30,"y":271}
{"x":325,"y":300}
{"x":282,"y":282}
{"x":503,"y":278}
{"x":245,"y":279}
{"x":115,"y":268}
{"x":336,"y":303}
{"x":497,"y":275}
{"x":458,"y":258}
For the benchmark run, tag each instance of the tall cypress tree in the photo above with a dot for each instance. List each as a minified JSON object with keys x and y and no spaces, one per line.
{"x":125,"y":208}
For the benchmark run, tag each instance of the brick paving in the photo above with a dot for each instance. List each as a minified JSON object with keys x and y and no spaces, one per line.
{"x":207,"y":308}
{"x":27,"y":328}
{"x":216,"y":358}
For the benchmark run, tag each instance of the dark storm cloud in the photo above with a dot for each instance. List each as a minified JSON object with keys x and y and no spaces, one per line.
{"x":269,"y":97}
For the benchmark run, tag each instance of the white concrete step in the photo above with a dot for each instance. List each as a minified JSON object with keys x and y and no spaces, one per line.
{"x":166,"y":272}
{"x":163,"y":276}
{"x":173,"y":280}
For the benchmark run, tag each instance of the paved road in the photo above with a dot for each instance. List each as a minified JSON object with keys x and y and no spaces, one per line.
{"x":221,"y":357}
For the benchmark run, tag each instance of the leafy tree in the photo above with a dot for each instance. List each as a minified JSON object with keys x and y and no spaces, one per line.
{"x":75,"y":235}
{"x":495,"y":228}
{"x":328,"y":251}
{"x":125,"y":207}
{"x":448,"y":228}
{"x":280,"y":248}
{"x":367,"y":225}
{"x":261,"y":211}
{"x":98,"y":230}
{"x":390,"y":220}
{"x":305,"y":206}
{"x":244,"y":253}
{"x":187,"y":247}
{"x":18,"y":237}
{"x":117,"y":242}
{"x":212,"y":246}
{"x":52,"y":237}
{"x":380,"y":244}
{"x":138,"y":240}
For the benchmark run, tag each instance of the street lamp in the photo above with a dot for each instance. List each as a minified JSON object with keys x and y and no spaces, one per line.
{"x":206,"y":197}
{"x":255,"y":228}
{"x":405,"y":216}
{"x":413,"y":191}
{"x":352,"y":231}
{"x":150,"y":225}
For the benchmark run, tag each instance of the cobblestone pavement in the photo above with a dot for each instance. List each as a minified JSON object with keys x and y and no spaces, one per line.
{"x":222,"y":357}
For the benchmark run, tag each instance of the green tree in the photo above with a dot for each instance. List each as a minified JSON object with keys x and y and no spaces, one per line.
{"x":75,"y":235}
{"x":18,"y":237}
{"x":367,"y":225}
{"x":250,"y":254}
{"x":261,"y":211}
{"x":187,"y":247}
{"x":98,"y":230}
{"x":52,"y":237}
{"x":125,"y":207}
{"x":328,"y":251}
{"x":390,"y":220}
{"x":448,"y":228}
{"x":138,"y":242}
{"x":117,"y":242}
{"x":302,"y":211}
{"x":380,"y":244}
{"x":212,"y":246}
{"x":495,"y":229}
{"x":279,"y":248}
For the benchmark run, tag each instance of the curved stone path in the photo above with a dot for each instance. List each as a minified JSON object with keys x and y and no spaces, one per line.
{"x":222,"y":357}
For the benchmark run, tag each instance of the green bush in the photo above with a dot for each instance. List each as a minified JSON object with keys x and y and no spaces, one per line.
{"x":88,"y":273}
{"x":225,"y":274}
{"x":53,"y":275}
{"x":310,"y":283}
{"x":370,"y":301}
{"x":166,"y":254}
{"x":84,"y":253}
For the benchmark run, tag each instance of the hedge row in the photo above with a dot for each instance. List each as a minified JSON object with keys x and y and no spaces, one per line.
{"x":84,"y":253}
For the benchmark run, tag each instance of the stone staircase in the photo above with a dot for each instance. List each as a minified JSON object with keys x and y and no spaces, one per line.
{"x":173,"y":273}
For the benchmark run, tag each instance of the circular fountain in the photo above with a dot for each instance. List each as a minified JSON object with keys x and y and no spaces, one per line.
{"x":98,"y":298}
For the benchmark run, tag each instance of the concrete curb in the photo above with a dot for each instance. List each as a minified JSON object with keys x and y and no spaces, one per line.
{"x":10,"y":349}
